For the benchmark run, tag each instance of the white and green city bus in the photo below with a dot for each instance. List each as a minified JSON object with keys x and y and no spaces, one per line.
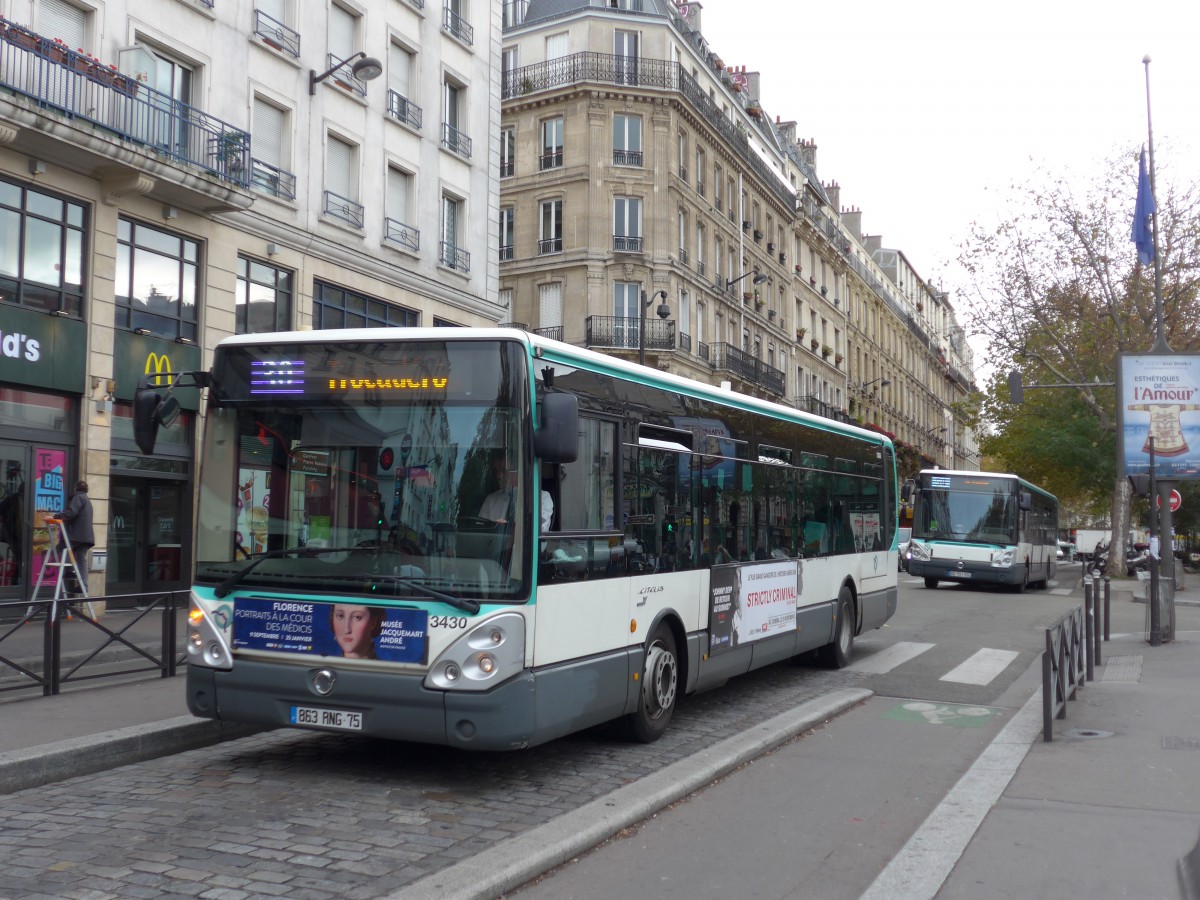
{"x":653,"y":536}
{"x":982,"y":527}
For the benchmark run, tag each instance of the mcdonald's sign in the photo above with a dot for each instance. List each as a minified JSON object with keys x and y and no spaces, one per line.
{"x":137,"y":355}
{"x":158,"y":365}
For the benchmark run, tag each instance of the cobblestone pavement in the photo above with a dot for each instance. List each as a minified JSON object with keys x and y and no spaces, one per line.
{"x":313,"y":816}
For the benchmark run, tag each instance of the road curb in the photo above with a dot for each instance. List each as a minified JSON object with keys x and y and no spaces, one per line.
{"x":36,"y":766}
{"x":516,"y":860}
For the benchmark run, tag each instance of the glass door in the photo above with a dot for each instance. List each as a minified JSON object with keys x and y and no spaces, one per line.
{"x":14,"y":518}
{"x":146,"y":530}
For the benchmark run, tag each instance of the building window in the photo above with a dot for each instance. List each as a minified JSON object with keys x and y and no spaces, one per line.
{"x":59,"y":19}
{"x":514,"y":12}
{"x":400,"y":90}
{"x":507,"y":231}
{"x":627,"y":224}
{"x":627,"y":312}
{"x":454,"y":138}
{"x":268,"y":168}
{"x":508,"y":152}
{"x":264,"y":297}
{"x":157,"y":281}
{"x":701,"y":165}
{"x":335,"y":307}
{"x":451,"y":254}
{"x":341,"y":182}
{"x":343,"y":42}
{"x":550,"y":237}
{"x":454,"y":21}
{"x":627,"y":140}
{"x":683,"y":156}
{"x":399,"y":211}
{"x":552,"y":144}
{"x":42,"y":249}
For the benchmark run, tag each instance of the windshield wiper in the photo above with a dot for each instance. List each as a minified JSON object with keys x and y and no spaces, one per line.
{"x":235,"y":579}
{"x":463,"y":603}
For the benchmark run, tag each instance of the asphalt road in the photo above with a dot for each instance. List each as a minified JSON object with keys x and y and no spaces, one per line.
{"x":312,"y":815}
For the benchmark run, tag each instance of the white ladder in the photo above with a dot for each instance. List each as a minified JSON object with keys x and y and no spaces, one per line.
{"x":60,"y":561}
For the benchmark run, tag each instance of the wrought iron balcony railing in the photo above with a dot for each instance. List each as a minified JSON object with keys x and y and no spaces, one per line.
{"x":453,"y":257}
{"x":344,"y":75}
{"x":349,"y":211}
{"x":275,"y":34}
{"x":272,"y":180}
{"x":554,"y":332}
{"x":728,"y":358}
{"x":550,"y":245}
{"x":622,"y":333}
{"x":404,"y":235}
{"x":506,"y":252}
{"x":404,"y":110}
{"x":455,"y":25}
{"x":623,"y":243}
{"x":118,"y":105}
{"x":627,"y":157}
{"x":455,"y":141}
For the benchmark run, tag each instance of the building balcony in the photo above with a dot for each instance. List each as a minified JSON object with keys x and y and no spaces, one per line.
{"x":550,"y":245}
{"x":728,"y":358}
{"x":627,"y":158}
{"x":456,"y":26}
{"x":622,"y":333}
{"x":269,"y":179}
{"x":339,"y":207}
{"x":554,"y":332}
{"x":405,"y":235}
{"x":453,"y":257}
{"x":623,"y":243}
{"x":275,"y":34}
{"x":819,"y":407}
{"x":456,"y":141}
{"x":404,"y":110}
{"x":65,"y":107}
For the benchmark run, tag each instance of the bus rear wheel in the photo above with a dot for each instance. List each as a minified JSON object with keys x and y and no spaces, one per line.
{"x":660,"y":689}
{"x":838,"y":653}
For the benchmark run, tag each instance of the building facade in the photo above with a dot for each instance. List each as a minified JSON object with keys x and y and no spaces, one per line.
{"x":172,"y":173}
{"x":650,"y":208}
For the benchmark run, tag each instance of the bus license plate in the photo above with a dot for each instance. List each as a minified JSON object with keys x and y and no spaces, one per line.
{"x":956,"y":574}
{"x":340,"y":719}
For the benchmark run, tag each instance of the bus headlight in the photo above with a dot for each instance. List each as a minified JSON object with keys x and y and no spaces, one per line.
{"x":486,"y":655}
{"x":918,"y":551}
{"x":206,"y":644}
{"x":1002,"y":559}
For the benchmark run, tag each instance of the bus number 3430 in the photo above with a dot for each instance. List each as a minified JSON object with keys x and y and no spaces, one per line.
{"x":447,"y":622}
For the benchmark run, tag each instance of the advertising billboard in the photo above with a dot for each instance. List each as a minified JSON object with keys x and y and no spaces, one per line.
{"x":1159,"y":396}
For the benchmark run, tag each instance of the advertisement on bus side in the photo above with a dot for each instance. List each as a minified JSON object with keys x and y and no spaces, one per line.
{"x":347,"y":630}
{"x":749,"y":602}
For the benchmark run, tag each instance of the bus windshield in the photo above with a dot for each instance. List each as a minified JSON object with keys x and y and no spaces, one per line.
{"x":399,"y":469}
{"x":979,"y":510}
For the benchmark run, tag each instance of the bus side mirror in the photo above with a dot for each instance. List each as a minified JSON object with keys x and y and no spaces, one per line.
{"x":907,"y":490}
{"x":146,"y":404}
{"x":557,"y":440}
{"x":1025,"y":500}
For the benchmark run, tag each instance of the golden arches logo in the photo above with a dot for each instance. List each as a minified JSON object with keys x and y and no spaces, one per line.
{"x":159,"y":365}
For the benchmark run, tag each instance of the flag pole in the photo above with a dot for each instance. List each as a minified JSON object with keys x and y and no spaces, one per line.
{"x":1160,"y":342}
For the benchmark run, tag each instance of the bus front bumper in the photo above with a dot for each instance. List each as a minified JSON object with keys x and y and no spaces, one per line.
{"x":965,"y":570}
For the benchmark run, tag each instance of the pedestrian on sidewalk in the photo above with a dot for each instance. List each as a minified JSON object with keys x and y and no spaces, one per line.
{"x":78,"y":531}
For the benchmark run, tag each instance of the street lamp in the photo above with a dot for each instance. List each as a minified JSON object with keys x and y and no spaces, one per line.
{"x":759,"y":278}
{"x":663,"y":312}
{"x":883,"y":382}
{"x":366,"y":69}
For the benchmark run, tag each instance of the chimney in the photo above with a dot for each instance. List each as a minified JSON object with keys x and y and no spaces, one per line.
{"x":808,"y":152}
{"x":834,"y":192}
{"x":753,"y":82}
{"x":787,"y":131}
{"x":852,"y":219}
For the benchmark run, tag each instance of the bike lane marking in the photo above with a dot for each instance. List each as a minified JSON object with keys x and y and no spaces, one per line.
{"x":922,"y":711}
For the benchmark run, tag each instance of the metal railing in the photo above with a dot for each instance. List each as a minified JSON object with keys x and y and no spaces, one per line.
{"x":728,"y":358}
{"x":98,"y":648}
{"x":118,"y":105}
{"x":550,"y":159}
{"x":272,"y":180}
{"x":554,"y":332}
{"x":550,"y":245}
{"x":404,"y":110}
{"x":455,"y":141}
{"x":1063,"y":667}
{"x":399,"y":233}
{"x":454,"y":257}
{"x":622,"y":333}
{"x":627,"y":243}
{"x":276,"y":34}
{"x":344,"y":208}
{"x":506,"y":252}
{"x":344,"y":75}
{"x":627,"y":157}
{"x":455,"y":25}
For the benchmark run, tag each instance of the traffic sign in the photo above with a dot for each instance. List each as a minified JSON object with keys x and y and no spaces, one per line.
{"x":1176,"y":500}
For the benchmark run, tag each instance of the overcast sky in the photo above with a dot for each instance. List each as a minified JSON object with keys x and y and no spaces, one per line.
{"x":925,"y":111}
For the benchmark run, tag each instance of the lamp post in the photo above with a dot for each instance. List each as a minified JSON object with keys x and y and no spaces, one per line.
{"x":663,"y":312}
{"x":883,"y":382}
{"x":759,"y":278}
{"x":366,"y":69}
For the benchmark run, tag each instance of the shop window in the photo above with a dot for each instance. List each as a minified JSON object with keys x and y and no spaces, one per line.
{"x":157,"y":281}
{"x":42,"y":249}
{"x":264,"y":297}
{"x":335,"y":307}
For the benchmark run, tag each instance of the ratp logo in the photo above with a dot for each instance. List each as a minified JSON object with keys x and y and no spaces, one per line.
{"x":158,"y":365}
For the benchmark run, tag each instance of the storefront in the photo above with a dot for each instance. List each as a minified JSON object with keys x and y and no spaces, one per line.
{"x":41,"y":388}
{"x":150,"y":497}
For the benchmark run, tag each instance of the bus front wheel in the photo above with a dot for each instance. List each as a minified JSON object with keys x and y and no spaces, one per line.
{"x":930,"y":582}
{"x":660,"y":688}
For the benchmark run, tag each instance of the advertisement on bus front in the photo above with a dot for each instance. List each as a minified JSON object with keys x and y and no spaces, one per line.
{"x":348,"y":630}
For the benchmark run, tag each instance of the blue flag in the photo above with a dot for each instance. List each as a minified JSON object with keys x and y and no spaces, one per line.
{"x":1143,"y":235}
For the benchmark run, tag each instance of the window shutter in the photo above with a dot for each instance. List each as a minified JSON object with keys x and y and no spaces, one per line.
{"x":339,"y":168}
{"x":341,"y":32}
{"x":268,"y":133}
{"x":273,"y":8}
{"x":57,"y":19}
{"x":550,"y":305}
{"x":397,"y":195}
{"x":557,"y":46}
{"x":399,"y":64}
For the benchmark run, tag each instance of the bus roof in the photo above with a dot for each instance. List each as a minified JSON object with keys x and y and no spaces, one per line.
{"x":976,"y":474}
{"x":547,"y":348}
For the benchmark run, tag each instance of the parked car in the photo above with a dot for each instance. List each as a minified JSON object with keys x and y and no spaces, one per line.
{"x":902,"y":554}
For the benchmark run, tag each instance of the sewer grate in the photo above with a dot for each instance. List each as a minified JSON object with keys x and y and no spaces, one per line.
{"x":1087,"y":734}
{"x":1123,"y":670}
{"x":1170,"y":742}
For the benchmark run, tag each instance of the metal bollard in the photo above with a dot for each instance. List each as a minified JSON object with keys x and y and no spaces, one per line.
{"x":1089,"y":631}
{"x":1107,"y":599}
